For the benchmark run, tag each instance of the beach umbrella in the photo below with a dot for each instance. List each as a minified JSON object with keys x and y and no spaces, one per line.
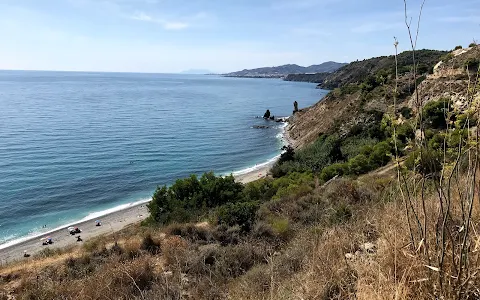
{"x":97,"y":221}
{"x":70,"y":228}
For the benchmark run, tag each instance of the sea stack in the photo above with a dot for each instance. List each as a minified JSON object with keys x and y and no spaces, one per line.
{"x":295,"y":107}
{"x":267,"y":114}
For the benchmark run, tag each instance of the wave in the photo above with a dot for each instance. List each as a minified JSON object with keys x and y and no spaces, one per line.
{"x":89,"y":217}
{"x":280,"y":136}
{"x":256,"y":167}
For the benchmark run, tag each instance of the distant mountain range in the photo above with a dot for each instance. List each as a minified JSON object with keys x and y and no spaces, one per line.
{"x":283,"y":71}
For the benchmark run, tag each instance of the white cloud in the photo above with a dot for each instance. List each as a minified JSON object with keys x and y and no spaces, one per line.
{"x":140,"y":16}
{"x":175,"y":25}
{"x":167,"y":25}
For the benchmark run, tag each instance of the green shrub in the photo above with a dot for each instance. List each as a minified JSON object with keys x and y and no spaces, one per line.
{"x":189,"y":197}
{"x":360,"y":164}
{"x":447,"y":57}
{"x":381,"y":154}
{"x":437,"y":142}
{"x":325,"y":151}
{"x":405,"y":132}
{"x":355,"y":145}
{"x":473,"y":45}
{"x":261,"y":189}
{"x":241,"y":214}
{"x":426,"y":162}
{"x":458,"y":48}
{"x":406,"y":112}
{"x":287,"y":155}
{"x":457,"y":138}
{"x":472,"y":63}
{"x":338,"y":169}
{"x":435,"y":113}
{"x":463,"y":119}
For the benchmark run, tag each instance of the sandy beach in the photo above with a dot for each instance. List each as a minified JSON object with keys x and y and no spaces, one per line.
{"x":110,"y":223}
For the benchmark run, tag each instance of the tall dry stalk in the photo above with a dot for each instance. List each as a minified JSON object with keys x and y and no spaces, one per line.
{"x":444,"y":238}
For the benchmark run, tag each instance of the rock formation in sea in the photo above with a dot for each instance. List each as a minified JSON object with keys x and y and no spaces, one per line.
{"x":267,"y":114}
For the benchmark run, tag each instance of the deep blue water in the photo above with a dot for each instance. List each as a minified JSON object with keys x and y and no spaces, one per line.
{"x":72,"y":144}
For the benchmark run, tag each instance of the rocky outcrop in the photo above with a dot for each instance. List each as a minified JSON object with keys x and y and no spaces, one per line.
{"x":451,"y":79}
{"x":267,"y":114}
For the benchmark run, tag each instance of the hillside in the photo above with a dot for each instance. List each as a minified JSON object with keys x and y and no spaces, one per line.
{"x":284,"y":70}
{"x":357,"y":71}
{"x":313,"y":78}
{"x":360,"y":91}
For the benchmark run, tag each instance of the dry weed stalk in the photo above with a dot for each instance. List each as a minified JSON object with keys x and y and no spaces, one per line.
{"x":445,"y":236}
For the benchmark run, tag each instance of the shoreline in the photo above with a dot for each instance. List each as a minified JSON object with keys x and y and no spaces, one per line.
{"x":116,"y":220}
{"x":111,"y":223}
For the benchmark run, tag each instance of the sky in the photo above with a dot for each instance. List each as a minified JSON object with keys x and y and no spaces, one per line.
{"x":169,"y":36}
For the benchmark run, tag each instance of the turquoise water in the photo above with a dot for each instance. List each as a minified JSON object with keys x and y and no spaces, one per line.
{"x":73,"y":145}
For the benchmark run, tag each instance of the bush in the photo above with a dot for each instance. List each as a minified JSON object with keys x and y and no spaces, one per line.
{"x":406,"y":112}
{"x":458,"y":48}
{"x":189,"y":197}
{"x":381,"y":154}
{"x":287,"y":155}
{"x":360,"y":164}
{"x":425,"y":162}
{"x":447,"y":57}
{"x":472,"y":63}
{"x":338,"y":169}
{"x":473,"y":45}
{"x":436,"y":112}
{"x":342,"y":214}
{"x":148,"y":244}
{"x":405,"y":132}
{"x":241,"y":214}
{"x":325,"y":151}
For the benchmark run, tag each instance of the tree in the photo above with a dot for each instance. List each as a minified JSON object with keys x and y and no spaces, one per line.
{"x":189,"y":197}
{"x":436,"y":112}
{"x":287,"y":155}
{"x":473,"y":45}
{"x":160,"y":205}
{"x":359,"y":165}
{"x":242,"y":214}
{"x":381,"y":154}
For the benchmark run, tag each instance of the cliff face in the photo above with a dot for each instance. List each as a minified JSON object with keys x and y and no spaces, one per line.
{"x":450,"y":79}
{"x":364,"y":90}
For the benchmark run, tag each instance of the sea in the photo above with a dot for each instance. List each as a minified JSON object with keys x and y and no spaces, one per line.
{"x":75,"y":146}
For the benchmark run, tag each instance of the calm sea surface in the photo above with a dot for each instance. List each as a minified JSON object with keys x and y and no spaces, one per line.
{"x":76,"y":145}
